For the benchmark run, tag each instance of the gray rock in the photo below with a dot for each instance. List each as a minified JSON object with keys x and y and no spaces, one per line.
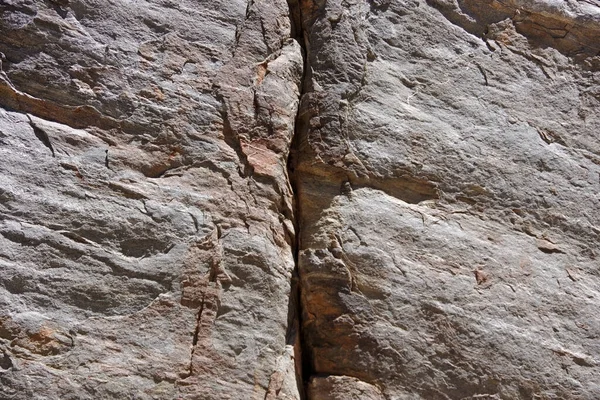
{"x":145,"y":211}
{"x":448,"y":170}
{"x":321,"y":199}
{"x":342,"y":387}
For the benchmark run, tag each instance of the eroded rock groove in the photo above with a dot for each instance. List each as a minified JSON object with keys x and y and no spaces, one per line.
{"x":295,"y":333}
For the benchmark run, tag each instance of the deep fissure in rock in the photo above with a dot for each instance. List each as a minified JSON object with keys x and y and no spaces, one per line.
{"x":295,"y":334}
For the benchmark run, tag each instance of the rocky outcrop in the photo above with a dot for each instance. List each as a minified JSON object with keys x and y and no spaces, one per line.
{"x":448,"y":161}
{"x":146,"y":229}
{"x":320,"y":199}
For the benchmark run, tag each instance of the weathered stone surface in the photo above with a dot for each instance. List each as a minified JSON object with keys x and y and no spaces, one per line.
{"x":342,"y":388}
{"x":448,"y":166}
{"x":445,"y":161}
{"x":145,"y":230}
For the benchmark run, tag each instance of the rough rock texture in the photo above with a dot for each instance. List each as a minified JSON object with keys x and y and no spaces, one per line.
{"x":145,"y":229}
{"x":427,"y":171}
{"x":341,"y":388}
{"x":448,"y":169}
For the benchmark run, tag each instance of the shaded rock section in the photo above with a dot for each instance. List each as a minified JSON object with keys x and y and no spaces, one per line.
{"x":447,"y":169}
{"x":342,"y":387}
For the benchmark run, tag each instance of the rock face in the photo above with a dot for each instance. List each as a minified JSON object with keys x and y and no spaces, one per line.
{"x":146,"y":229}
{"x":319,"y":199}
{"x":448,"y":166}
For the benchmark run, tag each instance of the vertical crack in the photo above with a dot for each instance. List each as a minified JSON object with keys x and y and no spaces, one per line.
{"x":196,"y":334}
{"x":198,"y":323}
{"x":295,"y":335}
{"x":202,"y":290}
{"x":233,"y":140}
{"x":41,"y":135}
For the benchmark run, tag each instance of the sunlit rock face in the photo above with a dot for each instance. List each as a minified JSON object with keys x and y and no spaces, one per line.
{"x":301,"y":199}
{"x":145,"y":230}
